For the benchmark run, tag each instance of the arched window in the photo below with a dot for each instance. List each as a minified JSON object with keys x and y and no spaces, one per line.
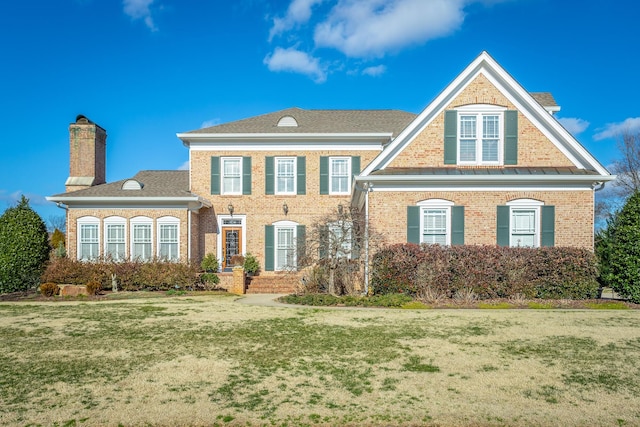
{"x":88,"y":238}
{"x":141,"y":238}
{"x":114,"y":238}
{"x":169,"y":238}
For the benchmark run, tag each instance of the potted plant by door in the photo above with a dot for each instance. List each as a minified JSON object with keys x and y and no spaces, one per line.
{"x":251,"y":265}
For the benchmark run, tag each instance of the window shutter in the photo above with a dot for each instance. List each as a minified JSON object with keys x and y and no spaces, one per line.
{"x":301,"y":250}
{"x":548,"y":220}
{"x":413,"y":224}
{"x":457,"y":225}
{"x":302,"y":175}
{"x":355,"y":165}
{"x":511,"y":137}
{"x":269,"y":175}
{"x":269,"y":253}
{"x":215,"y":175}
{"x":355,"y":243}
{"x":246,"y":175}
{"x":450,"y":137}
{"x":324,"y":175}
{"x":502,"y":232}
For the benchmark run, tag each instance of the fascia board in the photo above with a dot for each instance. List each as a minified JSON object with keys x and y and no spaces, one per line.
{"x":298,"y":146}
{"x":484,"y":179}
{"x":216,"y":138}
{"x":150,"y":201}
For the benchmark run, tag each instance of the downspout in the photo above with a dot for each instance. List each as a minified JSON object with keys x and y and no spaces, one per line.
{"x":189,"y":235}
{"x":367,"y":187}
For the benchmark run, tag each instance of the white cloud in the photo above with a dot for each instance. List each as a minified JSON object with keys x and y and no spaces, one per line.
{"x":209,"y":123}
{"x":139,"y":9}
{"x":574,"y":125}
{"x":375,"y":71}
{"x":11,"y":199}
{"x":614,"y":130}
{"x":372,"y":28}
{"x":184,"y":166}
{"x":298,"y":13}
{"x":295,"y":61}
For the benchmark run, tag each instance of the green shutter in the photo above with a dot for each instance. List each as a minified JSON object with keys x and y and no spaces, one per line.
{"x":269,"y":252}
{"x":269,"y":175}
{"x":413,"y":224}
{"x":324,"y":175}
{"x":301,"y":250}
{"x":503,"y":226}
{"x":450,"y":137}
{"x":355,"y":165}
{"x":355,"y":243}
{"x":547,"y":237}
{"x":457,"y":225}
{"x":246,"y":175}
{"x":511,"y":137}
{"x":215,"y":175}
{"x":324,"y":242}
{"x":302,"y":175}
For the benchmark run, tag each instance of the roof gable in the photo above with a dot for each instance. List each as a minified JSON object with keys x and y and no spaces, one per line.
{"x":531,"y":106}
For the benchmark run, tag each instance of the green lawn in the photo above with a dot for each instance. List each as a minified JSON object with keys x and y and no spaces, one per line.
{"x":207,"y":360}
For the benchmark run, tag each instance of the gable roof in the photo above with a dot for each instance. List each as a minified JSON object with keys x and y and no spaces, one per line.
{"x":313,"y":122}
{"x":531,"y":105}
{"x":168,"y":186}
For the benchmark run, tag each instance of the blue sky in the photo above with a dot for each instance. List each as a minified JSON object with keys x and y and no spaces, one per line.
{"x":147,"y":69}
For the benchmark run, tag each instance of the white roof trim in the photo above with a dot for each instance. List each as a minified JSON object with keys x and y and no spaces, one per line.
{"x":191,"y":202}
{"x":479,"y":179}
{"x":524,"y":102}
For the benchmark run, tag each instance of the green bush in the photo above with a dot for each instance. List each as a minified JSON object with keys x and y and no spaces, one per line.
{"x":210,"y":263}
{"x":623,"y":251}
{"x":49,"y":289}
{"x":390,"y":300}
{"x":24,"y":248}
{"x":487,"y":271}
{"x":57,"y":240}
{"x":209,"y":279}
{"x":251,"y":265}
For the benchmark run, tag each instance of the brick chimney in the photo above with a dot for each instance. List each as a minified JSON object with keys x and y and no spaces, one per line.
{"x":87,"y":159}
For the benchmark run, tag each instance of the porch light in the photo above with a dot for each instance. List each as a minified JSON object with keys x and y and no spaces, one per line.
{"x":285,"y":208}
{"x":230,"y":207}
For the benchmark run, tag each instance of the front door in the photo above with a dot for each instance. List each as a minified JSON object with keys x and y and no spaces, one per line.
{"x":231,"y":245}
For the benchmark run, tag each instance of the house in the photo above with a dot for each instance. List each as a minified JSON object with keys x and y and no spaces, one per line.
{"x":486,"y":162}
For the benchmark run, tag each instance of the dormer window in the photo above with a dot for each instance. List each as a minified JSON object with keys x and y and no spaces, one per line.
{"x":132,"y":184}
{"x":287,"y":121}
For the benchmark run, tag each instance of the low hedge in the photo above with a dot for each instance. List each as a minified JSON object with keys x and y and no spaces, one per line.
{"x":154,"y":275}
{"x":488,"y":271}
{"x":389,"y":300}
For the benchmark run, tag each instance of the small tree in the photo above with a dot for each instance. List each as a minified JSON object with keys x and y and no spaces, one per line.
{"x":620,"y":251}
{"x":24,"y":248}
{"x":57,"y":243}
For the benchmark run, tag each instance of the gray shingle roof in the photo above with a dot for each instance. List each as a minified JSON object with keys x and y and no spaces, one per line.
{"x":545,"y":99}
{"x":319,"y":121}
{"x":172,"y":183}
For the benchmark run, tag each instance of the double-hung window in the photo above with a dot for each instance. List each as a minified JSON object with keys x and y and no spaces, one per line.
{"x":480,"y":138}
{"x":285,"y":175}
{"x":285,"y":247}
{"x":89,"y":242}
{"x":141,"y":239}
{"x":114,"y":236}
{"x":435,"y":221}
{"x":231,"y":175}
{"x":524,"y":222}
{"x":168,"y":238}
{"x":339,"y":175}
{"x":339,"y":239}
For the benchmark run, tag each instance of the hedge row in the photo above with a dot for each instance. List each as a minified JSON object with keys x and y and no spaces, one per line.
{"x":130,"y":275}
{"x":488,"y":271}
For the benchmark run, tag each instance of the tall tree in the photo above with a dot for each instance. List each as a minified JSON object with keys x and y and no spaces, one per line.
{"x":24,"y":248}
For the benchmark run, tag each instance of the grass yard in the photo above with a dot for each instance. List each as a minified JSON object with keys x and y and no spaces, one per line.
{"x":207,"y":360}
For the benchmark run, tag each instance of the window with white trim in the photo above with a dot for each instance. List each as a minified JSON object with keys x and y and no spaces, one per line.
{"x":285,"y":175}
{"x":231,"y":175}
{"x":435,"y":221}
{"x":88,"y":238}
{"x":339,"y":175}
{"x":141,"y":238}
{"x":524,"y":223}
{"x":340,"y":239}
{"x":114,"y":238}
{"x":168,"y":238}
{"x":285,"y":237}
{"x":480,"y":135}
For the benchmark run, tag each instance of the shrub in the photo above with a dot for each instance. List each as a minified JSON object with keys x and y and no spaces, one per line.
{"x":24,"y":248}
{"x":93,"y":287}
{"x":49,"y":289}
{"x":623,"y":251}
{"x":431,"y":273}
{"x":57,"y":240}
{"x":210,"y":263}
{"x":237,"y":261}
{"x":209,"y":279}
{"x":251,"y":264}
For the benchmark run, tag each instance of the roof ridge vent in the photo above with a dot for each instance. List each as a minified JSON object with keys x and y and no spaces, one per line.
{"x":132,"y":184}
{"x":287,"y":121}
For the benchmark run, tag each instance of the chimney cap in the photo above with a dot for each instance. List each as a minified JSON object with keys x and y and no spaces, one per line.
{"x":83,"y":119}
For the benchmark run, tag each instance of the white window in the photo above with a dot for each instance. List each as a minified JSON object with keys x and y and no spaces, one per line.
{"x":285,"y":247}
{"x":480,"y":138}
{"x":339,"y":175}
{"x":141,"y":239}
{"x":231,"y":175}
{"x":435,"y":221}
{"x":114,"y":238}
{"x":339,"y":239}
{"x":88,"y":238}
{"x":524,"y":223}
{"x":168,"y":232}
{"x":285,"y":175}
